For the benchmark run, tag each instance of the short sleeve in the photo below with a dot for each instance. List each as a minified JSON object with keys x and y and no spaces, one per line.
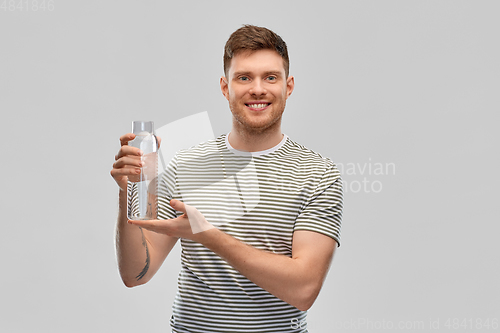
{"x":166,"y":190}
{"x":322,"y":211}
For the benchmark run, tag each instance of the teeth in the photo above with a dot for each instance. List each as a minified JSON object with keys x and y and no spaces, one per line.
{"x":257,"y":106}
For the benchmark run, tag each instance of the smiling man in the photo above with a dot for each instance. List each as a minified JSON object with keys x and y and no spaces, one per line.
{"x":257,"y":87}
{"x":258,"y":215}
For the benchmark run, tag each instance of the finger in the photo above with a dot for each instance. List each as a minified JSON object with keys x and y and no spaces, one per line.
{"x":124,"y":139}
{"x":146,"y":224}
{"x":128,"y":150}
{"x":128,"y":171}
{"x":134,"y":161}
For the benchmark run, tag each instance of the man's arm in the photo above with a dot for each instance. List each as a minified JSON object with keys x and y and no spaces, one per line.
{"x":140,"y":252}
{"x":296,"y":280}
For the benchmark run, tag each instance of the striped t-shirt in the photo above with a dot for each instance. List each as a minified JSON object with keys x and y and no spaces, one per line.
{"x":260,"y":198}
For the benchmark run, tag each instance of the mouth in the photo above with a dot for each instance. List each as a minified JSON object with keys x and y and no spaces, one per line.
{"x":257,"y":106}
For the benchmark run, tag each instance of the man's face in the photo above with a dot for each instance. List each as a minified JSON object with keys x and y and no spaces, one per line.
{"x":257,"y":90}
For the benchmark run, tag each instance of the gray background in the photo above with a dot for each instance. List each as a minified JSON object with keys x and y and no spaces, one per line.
{"x":412,"y":85}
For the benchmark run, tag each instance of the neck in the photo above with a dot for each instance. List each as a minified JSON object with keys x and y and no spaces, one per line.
{"x":254,"y":141}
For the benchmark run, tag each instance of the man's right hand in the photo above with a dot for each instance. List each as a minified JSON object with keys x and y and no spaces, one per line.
{"x":127,"y":162}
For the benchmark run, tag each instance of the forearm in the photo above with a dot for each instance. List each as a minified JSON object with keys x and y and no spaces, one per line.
{"x":295,"y":280}
{"x":132,"y":248}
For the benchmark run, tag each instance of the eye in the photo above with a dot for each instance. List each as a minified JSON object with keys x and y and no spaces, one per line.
{"x":271,"y":78}
{"x":243,"y":78}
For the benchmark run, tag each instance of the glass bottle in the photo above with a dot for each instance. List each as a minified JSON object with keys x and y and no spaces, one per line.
{"x":142,"y":190}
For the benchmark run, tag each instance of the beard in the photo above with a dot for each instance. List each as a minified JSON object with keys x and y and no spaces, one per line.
{"x":257,"y":123}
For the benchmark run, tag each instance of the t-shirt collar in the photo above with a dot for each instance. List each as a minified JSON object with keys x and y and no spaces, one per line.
{"x":254,"y":153}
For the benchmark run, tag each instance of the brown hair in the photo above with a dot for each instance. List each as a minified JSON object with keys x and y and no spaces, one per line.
{"x":253,"y":38}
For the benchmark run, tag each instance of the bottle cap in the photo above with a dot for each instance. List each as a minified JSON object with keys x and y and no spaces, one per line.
{"x":139,"y":126}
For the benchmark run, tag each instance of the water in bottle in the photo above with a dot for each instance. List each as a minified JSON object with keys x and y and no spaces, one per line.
{"x":142,"y":190}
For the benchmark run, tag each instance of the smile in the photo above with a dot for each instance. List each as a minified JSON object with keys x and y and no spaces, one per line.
{"x":258,"y":105}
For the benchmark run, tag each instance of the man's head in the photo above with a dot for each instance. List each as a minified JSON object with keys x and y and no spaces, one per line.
{"x":252,"y":38}
{"x":256,"y":81}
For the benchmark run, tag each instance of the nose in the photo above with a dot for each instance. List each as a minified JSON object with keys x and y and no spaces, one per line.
{"x":257,"y":88}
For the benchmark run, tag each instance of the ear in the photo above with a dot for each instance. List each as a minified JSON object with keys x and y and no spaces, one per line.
{"x":290,"y":84}
{"x":224,"y":87}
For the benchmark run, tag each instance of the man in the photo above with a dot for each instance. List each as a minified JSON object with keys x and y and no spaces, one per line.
{"x":258,"y":215}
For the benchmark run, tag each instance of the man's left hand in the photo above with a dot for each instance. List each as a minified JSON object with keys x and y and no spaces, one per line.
{"x":188,"y":226}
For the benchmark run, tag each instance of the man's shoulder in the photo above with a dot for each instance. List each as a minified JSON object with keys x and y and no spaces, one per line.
{"x":294,"y":151}
{"x":307,"y":165}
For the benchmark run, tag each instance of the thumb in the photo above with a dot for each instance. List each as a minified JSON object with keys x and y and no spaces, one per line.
{"x":178,"y":205}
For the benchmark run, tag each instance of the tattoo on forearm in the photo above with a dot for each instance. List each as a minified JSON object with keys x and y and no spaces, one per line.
{"x":146,"y":267}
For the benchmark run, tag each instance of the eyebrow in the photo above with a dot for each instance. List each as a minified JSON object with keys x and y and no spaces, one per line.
{"x":273,"y":72}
